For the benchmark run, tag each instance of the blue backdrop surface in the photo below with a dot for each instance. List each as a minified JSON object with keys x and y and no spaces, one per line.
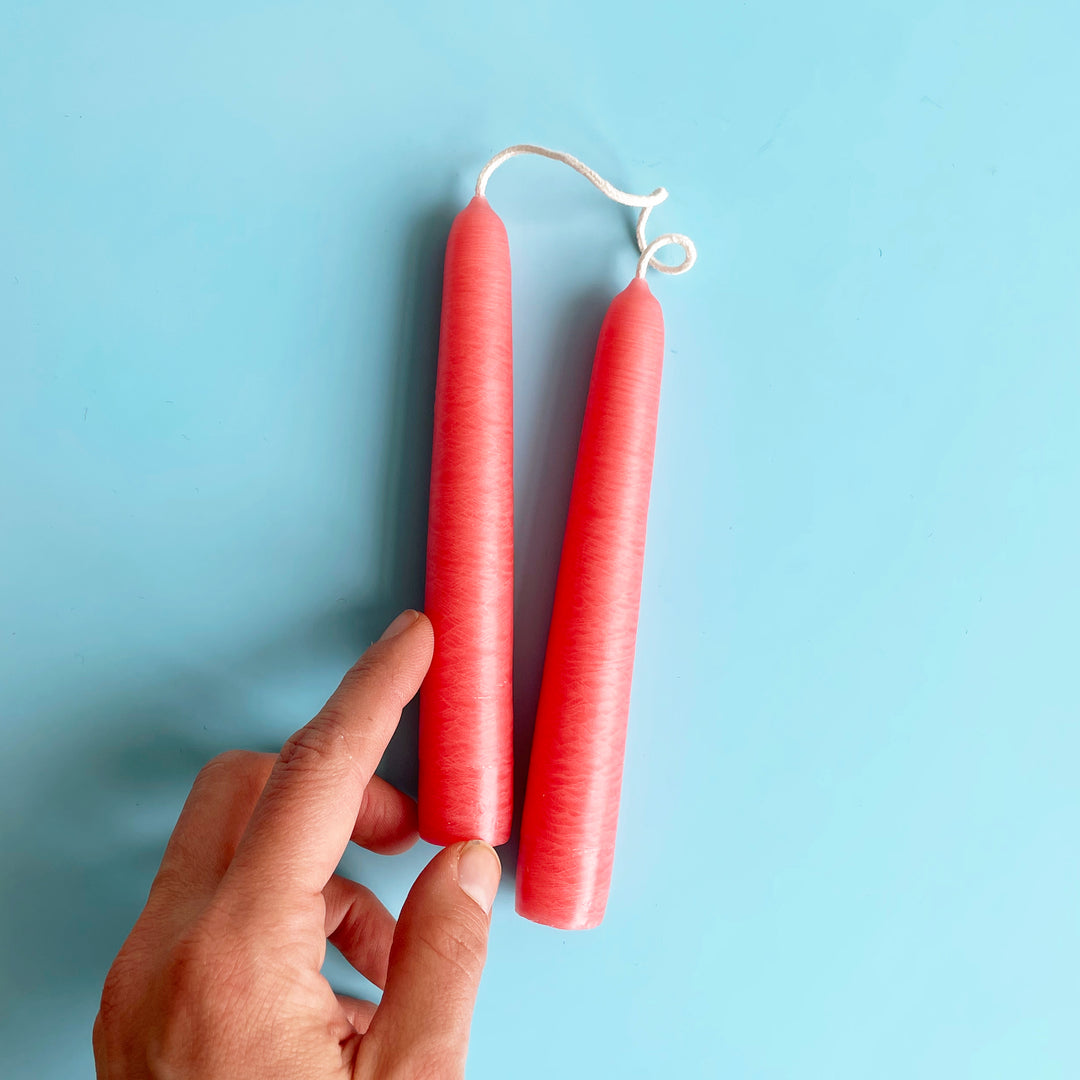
{"x":848,"y":844}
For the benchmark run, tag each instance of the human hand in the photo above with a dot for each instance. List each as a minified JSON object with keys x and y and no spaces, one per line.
{"x":220,"y":976}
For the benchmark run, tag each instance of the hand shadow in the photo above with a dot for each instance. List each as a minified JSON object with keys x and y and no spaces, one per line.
{"x":81,"y":859}
{"x":79,"y":862}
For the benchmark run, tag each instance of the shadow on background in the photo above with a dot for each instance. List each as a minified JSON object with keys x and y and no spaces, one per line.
{"x":408,"y":473}
{"x":66,"y":908}
{"x":542,"y":495}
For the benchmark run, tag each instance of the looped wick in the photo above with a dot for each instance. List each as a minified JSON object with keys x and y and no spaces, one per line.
{"x":648,"y":250}
{"x":646,"y":202}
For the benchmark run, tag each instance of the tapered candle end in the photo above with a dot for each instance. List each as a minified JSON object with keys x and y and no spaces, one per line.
{"x":575,"y":770}
{"x":638,"y":295}
{"x":478,"y":207}
{"x":534,"y":901}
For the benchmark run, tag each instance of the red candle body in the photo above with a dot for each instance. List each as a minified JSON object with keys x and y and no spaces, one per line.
{"x":575,"y":772}
{"x":466,"y":701}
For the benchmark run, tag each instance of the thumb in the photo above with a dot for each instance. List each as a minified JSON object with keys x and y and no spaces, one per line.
{"x":421,"y":1028}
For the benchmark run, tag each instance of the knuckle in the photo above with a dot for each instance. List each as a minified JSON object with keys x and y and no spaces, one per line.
{"x":386,"y":822}
{"x":312,"y":746}
{"x":107,"y":1037}
{"x":187,"y":974}
{"x":359,"y":924}
{"x":195,"y":1006}
{"x":113,"y":992}
{"x":195,"y":972}
{"x":114,"y":1002}
{"x":124,"y":993}
{"x":374,"y":816}
{"x":228,"y":765}
{"x":458,"y":945}
{"x":369,"y":672}
{"x":235,"y":759}
{"x":97,"y":1035}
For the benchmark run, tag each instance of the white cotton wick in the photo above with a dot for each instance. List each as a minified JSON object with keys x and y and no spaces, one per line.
{"x":646,"y":202}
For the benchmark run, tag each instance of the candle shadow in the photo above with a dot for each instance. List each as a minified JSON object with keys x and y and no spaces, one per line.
{"x":544,"y":475}
{"x":408,"y":473}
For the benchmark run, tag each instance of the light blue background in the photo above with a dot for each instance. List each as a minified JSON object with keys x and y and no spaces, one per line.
{"x":848,"y":844}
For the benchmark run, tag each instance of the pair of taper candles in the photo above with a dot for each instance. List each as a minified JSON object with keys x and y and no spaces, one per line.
{"x":466,"y":703}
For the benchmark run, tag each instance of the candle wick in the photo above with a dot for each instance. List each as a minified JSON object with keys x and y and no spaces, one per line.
{"x":645,"y":202}
{"x":648,"y":250}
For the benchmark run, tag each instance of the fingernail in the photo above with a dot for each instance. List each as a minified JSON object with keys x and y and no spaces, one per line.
{"x":478,"y":872}
{"x":402,"y":622}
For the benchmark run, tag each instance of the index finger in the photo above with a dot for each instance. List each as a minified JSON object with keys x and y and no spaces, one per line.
{"x":301,"y":824}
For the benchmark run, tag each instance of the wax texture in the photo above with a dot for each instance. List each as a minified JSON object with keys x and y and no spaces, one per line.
{"x":466,"y":701}
{"x":575,"y":770}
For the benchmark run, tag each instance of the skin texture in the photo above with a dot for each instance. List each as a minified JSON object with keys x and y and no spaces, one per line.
{"x":220,"y":975}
